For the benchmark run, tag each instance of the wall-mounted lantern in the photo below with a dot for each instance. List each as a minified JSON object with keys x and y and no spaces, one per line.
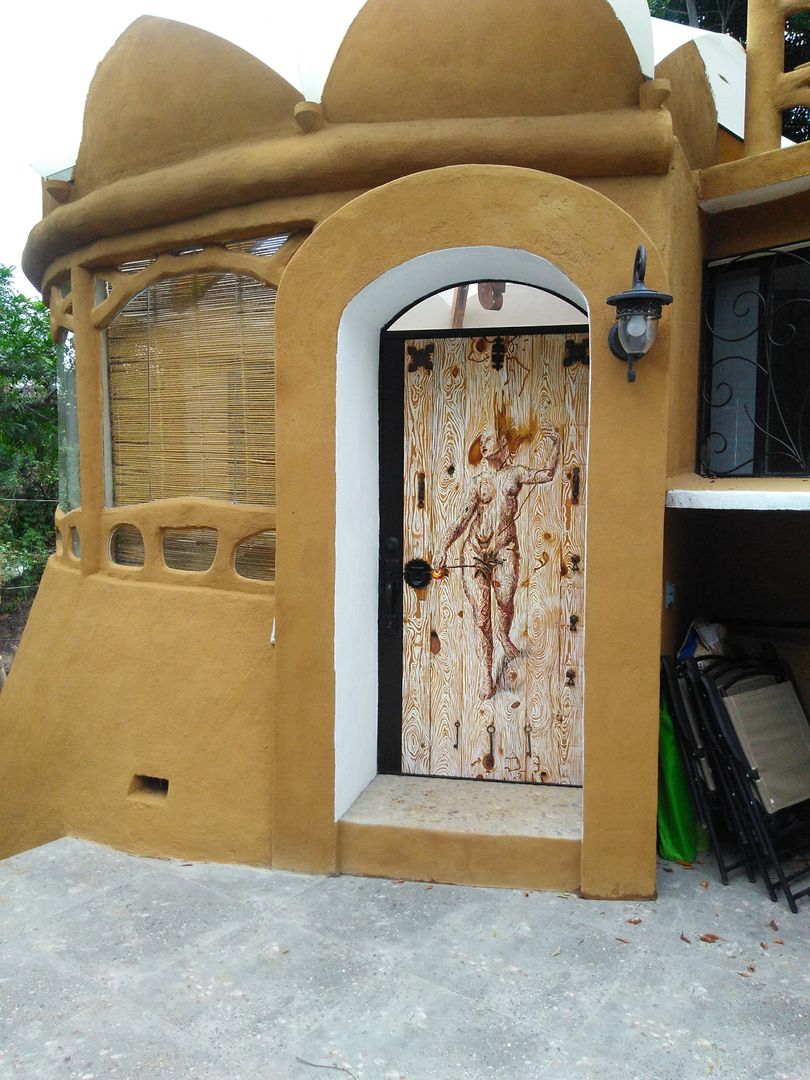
{"x":637,"y":313}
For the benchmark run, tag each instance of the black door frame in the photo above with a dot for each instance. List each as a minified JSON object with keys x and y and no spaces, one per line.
{"x":391,"y":460}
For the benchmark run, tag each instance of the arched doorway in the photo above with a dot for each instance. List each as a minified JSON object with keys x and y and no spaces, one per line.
{"x":360,"y":590}
{"x":483,"y":447}
{"x":373,"y":258}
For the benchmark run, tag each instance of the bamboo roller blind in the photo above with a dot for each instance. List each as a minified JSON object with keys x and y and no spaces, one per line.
{"x":191,"y":374}
{"x":191,"y":383}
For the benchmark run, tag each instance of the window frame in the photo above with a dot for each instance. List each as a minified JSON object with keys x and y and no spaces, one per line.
{"x":767,"y":260}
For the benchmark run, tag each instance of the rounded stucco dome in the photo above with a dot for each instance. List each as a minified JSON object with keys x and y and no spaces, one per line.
{"x":423,"y":60}
{"x":166,"y":92}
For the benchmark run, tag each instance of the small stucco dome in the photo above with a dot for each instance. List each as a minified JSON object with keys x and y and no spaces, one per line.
{"x":420,"y":60}
{"x":166,"y":92}
{"x":694,"y":116}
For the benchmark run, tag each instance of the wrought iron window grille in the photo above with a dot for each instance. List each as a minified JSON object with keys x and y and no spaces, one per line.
{"x":755,"y":378}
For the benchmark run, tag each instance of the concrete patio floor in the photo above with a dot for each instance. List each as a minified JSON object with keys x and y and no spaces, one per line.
{"x":113,"y":966}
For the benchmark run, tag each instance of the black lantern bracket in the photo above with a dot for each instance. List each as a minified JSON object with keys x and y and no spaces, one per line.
{"x":638,"y":311}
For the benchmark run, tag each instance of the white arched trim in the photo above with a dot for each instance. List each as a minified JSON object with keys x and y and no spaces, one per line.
{"x":357,"y":478}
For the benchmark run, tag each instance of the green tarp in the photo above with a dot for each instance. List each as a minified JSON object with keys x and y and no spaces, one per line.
{"x":679,"y":834}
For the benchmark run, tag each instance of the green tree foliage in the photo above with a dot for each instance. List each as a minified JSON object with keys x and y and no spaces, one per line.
{"x":730,"y":17}
{"x":28,"y":437}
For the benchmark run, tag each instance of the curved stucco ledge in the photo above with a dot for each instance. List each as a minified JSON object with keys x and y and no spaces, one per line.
{"x":346,"y":156}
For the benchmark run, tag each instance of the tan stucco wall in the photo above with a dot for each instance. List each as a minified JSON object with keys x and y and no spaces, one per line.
{"x":115,"y":679}
{"x":593,"y":242}
{"x":750,"y":228}
{"x":126,"y":672}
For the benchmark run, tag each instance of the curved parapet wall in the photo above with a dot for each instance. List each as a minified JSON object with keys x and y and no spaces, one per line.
{"x":180,"y":123}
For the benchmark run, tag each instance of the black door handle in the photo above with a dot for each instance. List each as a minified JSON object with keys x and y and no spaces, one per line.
{"x":390,"y":588}
{"x":575,"y":480}
{"x":418,"y":573}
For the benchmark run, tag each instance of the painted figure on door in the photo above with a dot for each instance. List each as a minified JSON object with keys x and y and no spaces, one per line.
{"x":490,"y":554}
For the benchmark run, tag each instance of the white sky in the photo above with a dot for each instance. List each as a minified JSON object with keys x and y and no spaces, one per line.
{"x":49,"y":51}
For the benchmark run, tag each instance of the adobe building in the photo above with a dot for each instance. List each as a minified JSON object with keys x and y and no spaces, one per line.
{"x":368,"y":543}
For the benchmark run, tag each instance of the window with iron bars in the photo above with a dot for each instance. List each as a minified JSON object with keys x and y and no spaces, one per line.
{"x":755,"y":380}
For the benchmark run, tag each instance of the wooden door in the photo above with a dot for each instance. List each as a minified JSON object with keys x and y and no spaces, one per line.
{"x":483,"y":476}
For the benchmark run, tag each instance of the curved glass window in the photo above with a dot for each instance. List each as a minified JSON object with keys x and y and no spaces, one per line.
{"x":68,"y":426}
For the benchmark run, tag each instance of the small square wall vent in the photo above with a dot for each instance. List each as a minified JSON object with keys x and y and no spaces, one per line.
{"x":149,"y":788}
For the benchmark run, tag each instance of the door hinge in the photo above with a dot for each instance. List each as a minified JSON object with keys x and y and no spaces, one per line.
{"x":574,"y":477}
{"x":576,"y":352}
{"x":421,"y":357}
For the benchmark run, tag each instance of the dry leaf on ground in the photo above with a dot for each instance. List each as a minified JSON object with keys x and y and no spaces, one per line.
{"x":710,"y":938}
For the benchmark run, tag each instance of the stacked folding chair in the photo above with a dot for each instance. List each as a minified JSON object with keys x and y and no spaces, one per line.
{"x":745,"y":741}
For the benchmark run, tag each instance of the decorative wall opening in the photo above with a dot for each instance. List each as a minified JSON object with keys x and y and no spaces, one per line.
{"x":149,"y":788}
{"x":190,"y":549}
{"x":126,"y":546}
{"x":255,"y":557}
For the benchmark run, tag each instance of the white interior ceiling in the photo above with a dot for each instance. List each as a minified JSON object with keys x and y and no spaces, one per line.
{"x":523,"y":305}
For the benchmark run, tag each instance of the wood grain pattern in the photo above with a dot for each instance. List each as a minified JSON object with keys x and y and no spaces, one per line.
{"x":415,"y":604}
{"x":446,"y":497}
{"x":530,"y":727}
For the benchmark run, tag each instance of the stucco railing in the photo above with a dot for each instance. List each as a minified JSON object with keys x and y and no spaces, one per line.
{"x":769,"y":88}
